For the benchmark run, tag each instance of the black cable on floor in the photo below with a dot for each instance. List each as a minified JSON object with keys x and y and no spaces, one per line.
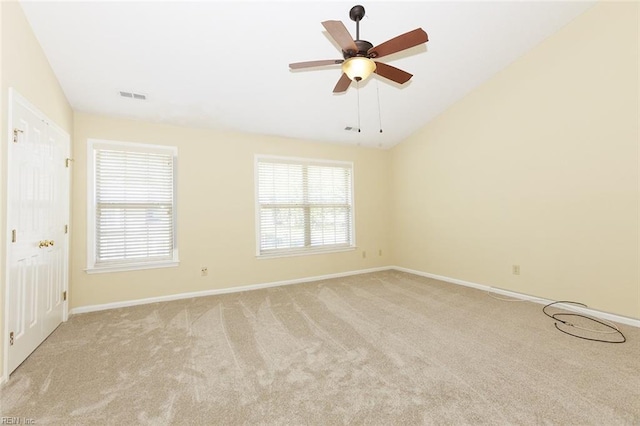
{"x":568,"y":324}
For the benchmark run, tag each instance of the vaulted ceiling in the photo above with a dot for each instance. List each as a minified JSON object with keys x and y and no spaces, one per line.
{"x":224,"y":64}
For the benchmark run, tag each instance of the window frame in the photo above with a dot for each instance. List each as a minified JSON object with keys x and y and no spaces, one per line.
{"x":92,"y":146}
{"x":307,"y":250}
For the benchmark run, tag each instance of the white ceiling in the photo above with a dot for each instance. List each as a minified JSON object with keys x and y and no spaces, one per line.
{"x":224,"y":64}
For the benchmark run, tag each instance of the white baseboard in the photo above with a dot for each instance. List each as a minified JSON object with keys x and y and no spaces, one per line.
{"x":586,"y":311}
{"x":124,"y":304}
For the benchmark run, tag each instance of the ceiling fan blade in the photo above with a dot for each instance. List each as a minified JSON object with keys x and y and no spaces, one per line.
{"x":340,"y":34}
{"x":399,"y":43}
{"x":392,"y":73}
{"x":343,"y":84}
{"x":310,"y":64}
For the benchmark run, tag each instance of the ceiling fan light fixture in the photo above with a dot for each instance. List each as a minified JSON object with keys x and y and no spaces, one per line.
{"x":358,"y":68}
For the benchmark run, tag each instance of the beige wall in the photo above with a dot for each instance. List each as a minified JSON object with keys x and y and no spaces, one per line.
{"x":25,"y":68}
{"x":538,"y":167}
{"x":216,"y":212}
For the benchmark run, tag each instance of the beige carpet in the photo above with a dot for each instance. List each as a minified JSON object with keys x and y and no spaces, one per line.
{"x":383,"y":348}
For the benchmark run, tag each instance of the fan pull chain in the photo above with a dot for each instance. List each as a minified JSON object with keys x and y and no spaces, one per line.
{"x":358,"y":95}
{"x":379,"y":113}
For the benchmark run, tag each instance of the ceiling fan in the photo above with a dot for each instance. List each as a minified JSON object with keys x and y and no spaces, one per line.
{"x":359,"y":55}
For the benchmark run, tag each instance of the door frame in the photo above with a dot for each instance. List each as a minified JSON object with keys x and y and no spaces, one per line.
{"x":15,"y":97}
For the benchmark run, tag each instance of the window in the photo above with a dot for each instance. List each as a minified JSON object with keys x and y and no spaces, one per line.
{"x":131,"y":206}
{"x":303,"y":206}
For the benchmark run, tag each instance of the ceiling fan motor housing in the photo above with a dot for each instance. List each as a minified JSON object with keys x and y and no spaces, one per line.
{"x":363,"y":47}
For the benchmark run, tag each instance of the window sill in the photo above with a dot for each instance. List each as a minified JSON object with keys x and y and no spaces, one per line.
{"x":131,"y":267}
{"x":303,"y":252}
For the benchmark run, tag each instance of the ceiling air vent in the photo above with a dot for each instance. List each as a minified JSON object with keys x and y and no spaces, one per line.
{"x":132,"y":95}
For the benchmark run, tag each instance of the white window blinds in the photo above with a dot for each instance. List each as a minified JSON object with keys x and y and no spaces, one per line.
{"x":134,"y":205}
{"x":304,"y":205}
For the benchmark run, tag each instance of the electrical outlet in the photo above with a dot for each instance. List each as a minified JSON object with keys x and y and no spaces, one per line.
{"x":364,"y":254}
{"x":379,"y":252}
{"x":515,"y":269}
{"x":204,"y":271}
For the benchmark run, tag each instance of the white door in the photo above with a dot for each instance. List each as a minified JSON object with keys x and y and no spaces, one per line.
{"x":37,"y":219}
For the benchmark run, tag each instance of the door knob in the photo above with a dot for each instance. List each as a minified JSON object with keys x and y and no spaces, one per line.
{"x":44,"y":243}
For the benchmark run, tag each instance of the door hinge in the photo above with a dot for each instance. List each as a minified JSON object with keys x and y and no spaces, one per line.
{"x":14,"y":236}
{"x":64,"y":295}
{"x":16,"y":132}
{"x":66,"y":229}
{"x":11,"y":339}
{"x":67,"y":162}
